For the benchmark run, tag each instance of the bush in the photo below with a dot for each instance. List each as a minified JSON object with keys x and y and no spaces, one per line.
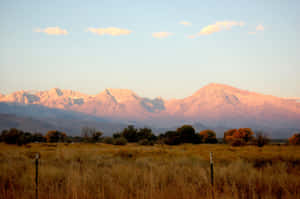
{"x":295,"y":139}
{"x":261,"y":139}
{"x":134,"y":135}
{"x":198,"y":139}
{"x":171,"y":138}
{"x":108,"y":140}
{"x":146,"y":142}
{"x":38,"y":137}
{"x":91,"y":134}
{"x":237,"y":142}
{"x":117,"y":135}
{"x":120,"y":141}
{"x":55,"y":136}
{"x":208,"y":136}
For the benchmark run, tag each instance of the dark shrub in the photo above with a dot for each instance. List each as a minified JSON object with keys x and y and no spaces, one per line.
{"x":198,"y":139}
{"x":55,"y":136}
{"x":146,"y":142}
{"x":108,"y":140}
{"x":38,"y":137}
{"x":172,"y":138}
{"x":120,"y":141}
{"x":261,"y":139}
{"x":91,"y":134}
{"x":209,"y":136}
{"x":237,"y":142}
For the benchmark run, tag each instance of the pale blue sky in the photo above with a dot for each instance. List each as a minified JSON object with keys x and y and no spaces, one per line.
{"x":171,"y":67}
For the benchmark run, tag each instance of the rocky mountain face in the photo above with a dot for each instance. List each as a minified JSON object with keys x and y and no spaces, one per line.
{"x":229,"y":106}
{"x":214,"y":105}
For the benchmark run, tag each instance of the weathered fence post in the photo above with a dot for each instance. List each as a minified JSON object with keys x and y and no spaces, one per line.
{"x":211,"y":169}
{"x":212,"y":174}
{"x":37,"y":156}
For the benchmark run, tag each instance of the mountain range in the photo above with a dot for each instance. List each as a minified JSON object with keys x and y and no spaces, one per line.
{"x":215,"y":106}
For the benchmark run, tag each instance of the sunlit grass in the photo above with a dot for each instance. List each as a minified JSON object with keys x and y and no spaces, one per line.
{"x":132,"y":171}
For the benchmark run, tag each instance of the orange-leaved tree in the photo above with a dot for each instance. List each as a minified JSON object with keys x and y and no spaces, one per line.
{"x":228,"y":135}
{"x":208,"y":136}
{"x":238,"y":136}
{"x":295,"y":139}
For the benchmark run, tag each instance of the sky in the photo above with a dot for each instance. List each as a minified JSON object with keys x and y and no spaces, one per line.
{"x":155,"y":48}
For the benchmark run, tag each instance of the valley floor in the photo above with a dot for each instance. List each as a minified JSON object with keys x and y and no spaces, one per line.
{"x":88,"y":171}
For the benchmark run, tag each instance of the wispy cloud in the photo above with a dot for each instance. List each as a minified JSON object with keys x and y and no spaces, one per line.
{"x":161,"y":35}
{"x":217,"y":27}
{"x":185,"y":23}
{"x":52,"y":31}
{"x":109,"y":31}
{"x":258,"y":28}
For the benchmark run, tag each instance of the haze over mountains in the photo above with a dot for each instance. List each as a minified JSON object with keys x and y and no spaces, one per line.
{"x":215,"y":106}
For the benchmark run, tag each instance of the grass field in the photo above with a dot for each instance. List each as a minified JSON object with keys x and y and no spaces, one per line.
{"x":88,"y":171}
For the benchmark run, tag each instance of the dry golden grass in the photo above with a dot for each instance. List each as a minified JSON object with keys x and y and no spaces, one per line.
{"x":88,"y":171}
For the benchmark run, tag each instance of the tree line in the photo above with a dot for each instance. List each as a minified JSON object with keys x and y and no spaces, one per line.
{"x":144,"y":136}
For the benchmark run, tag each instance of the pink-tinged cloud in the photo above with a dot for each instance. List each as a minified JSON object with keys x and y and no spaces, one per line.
{"x":52,"y":31}
{"x":109,"y":31}
{"x":260,"y":28}
{"x":161,"y":35}
{"x":217,"y":27}
{"x":192,"y":36}
{"x":185,"y":23}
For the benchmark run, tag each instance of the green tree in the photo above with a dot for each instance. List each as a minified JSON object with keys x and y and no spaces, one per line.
{"x":91,"y":134}
{"x":96,"y":137}
{"x":117,"y":135}
{"x":55,"y":136}
{"x":16,"y":136}
{"x":38,"y":137}
{"x":261,"y":139}
{"x":171,"y":138}
{"x":130,"y":133}
{"x":187,"y":133}
{"x":146,"y":134}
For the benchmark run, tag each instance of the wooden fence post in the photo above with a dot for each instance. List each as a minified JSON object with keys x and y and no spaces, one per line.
{"x":211,"y":169}
{"x":37,"y":156}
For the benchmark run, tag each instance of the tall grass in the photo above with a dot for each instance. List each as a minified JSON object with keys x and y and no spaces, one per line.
{"x":88,"y":171}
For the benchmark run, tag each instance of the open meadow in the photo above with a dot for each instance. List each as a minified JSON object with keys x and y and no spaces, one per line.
{"x":88,"y":171}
